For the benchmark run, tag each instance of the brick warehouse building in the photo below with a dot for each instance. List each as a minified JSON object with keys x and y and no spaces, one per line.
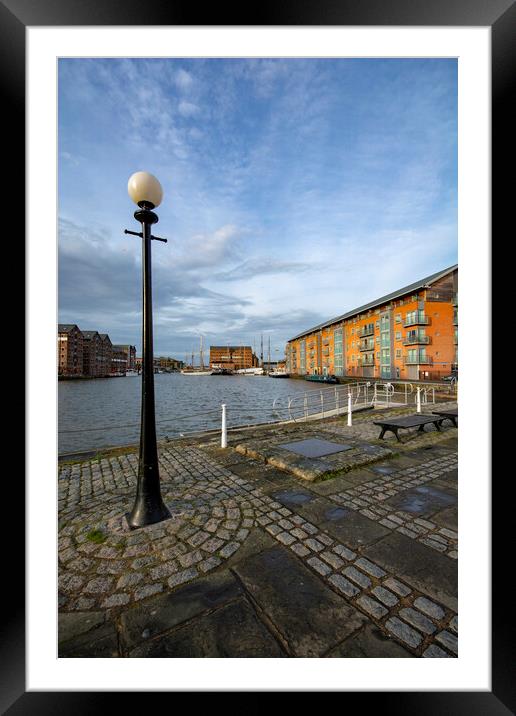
{"x":410,"y":334}
{"x":69,"y":350}
{"x":232,"y":357}
{"x":90,"y":354}
{"x":130,"y":352}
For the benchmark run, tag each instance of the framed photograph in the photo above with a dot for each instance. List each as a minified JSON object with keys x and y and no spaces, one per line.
{"x":48,"y":50}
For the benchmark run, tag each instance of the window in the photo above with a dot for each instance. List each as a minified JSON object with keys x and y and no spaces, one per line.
{"x":398,"y":335}
{"x":398,"y":353}
{"x":398,"y":318}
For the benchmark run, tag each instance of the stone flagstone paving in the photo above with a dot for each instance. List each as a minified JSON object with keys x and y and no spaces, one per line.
{"x":231,"y":517}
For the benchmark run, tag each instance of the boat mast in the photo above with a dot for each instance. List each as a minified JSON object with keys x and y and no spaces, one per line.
{"x":201,"y":358}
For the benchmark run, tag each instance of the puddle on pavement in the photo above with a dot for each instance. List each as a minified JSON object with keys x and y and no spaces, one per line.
{"x":423,"y":499}
{"x":289,"y":497}
{"x":383,"y":470}
{"x":336,"y":513}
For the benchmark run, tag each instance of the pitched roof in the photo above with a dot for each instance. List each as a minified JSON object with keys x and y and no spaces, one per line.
{"x":90,"y":334}
{"x":379,"y":301}
{"x":66,"y":327}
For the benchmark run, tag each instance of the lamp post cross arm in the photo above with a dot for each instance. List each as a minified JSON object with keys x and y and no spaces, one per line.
{"x":139,"y":233}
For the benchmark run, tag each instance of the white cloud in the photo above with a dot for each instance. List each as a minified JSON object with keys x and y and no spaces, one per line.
{"x":188,"y":109}
{"x":183,"y":79}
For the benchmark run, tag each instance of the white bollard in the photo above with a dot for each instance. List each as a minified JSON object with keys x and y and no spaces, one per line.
{"x":350,"y":421}
{"x":224,"y":436}
{"x":418,"y":400}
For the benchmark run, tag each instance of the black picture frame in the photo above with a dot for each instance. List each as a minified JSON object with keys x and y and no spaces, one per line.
{"x":500,"y":16}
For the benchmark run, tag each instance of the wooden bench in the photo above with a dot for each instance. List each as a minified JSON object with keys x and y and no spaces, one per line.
{"x":450,"y":414}
{"x":407,"y":421}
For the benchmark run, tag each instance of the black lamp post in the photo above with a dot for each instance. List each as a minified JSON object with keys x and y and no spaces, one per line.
{"x":145,"y":190}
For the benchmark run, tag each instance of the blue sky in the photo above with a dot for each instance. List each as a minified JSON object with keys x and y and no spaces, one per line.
{"x":294,"y":190}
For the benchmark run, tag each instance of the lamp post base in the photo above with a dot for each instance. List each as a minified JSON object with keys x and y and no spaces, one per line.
{"x":144,"y":514}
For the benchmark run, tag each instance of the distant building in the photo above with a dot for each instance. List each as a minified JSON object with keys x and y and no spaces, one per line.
{"x":161,"y":363}
{"x":410,"y":334}
{"x":105,"y":354}
{"x":118,"y":361}
{"x":92,"y":349}
{"x":69,"y":350}
{"x":167,"y":363}
{"x":91,"y":354}
{"x":232,"y":357}
{"x":130,"y":352}
{"x":274,"y":365}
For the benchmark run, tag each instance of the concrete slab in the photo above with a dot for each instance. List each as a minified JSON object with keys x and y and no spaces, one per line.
{"x":359,"y":477}
{"x":346,"y":525}
{"x":422,"y":567}
{"x":233,"y":631}
{"x":353,"y":529}
{"x":99,"y":642}
{"x":72,"y":624}
{"x":332,"y":485}
{"x":449,"y":479}
{"x":447,"y":518}
{"x":309,"y":617}
{"x":370,"y":642}
{"x":422,"y":500}
{"x":166,"y":611}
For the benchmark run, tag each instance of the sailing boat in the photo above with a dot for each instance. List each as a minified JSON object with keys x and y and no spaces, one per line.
{"x":197,"y":371}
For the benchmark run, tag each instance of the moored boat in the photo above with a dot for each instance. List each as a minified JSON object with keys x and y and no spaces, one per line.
{"x":221,"y":371}
{"x":321,"y":378}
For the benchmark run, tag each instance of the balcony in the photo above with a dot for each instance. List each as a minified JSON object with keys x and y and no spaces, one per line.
{"x":419,"y":359}
{"x":366,"y":331}
{"x":367,"y":346}
{"x":417,"y":320}
{"x":415,"y":340}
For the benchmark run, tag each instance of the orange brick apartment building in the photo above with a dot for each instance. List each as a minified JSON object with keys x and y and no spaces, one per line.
{"x":232,"y":357}
{"x":410,"y":334}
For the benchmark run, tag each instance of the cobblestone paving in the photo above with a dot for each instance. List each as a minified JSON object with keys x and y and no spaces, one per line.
{"x":105,"y":566}
{"x":370,"y":500}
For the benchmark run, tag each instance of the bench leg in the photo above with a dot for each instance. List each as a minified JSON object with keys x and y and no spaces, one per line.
{"x":421,"y":428}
